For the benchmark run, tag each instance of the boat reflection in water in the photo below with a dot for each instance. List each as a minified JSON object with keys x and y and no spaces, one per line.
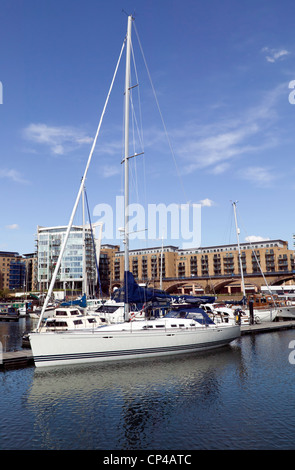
{"x":138,"y":404}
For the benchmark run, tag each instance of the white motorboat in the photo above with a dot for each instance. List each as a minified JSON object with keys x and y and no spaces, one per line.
{"x":285,"y":305}
{"x":181,"y":331}
{"x":22,"y":311}
{"x":67,"y":318}
{"x":114,"y":312}
{"x":36,"y":313}
{"x":226,"y":314}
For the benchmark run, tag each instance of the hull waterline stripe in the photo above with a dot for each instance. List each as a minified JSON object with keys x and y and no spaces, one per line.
{"x":128,"y":352}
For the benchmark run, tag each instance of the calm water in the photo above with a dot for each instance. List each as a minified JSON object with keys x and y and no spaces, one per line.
{"x":238,"y":397}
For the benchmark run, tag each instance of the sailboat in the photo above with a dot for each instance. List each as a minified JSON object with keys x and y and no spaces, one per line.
{"x":186,"y":329}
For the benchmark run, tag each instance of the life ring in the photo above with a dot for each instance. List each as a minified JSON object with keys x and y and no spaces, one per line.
{"x":132,"y":316}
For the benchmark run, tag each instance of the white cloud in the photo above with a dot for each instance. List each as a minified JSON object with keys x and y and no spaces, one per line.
{"x":110,"y":170}
{"x":216,"y":146}
{"x":12,"y":227}
{"x":274,"y":54}
{"x":206,"y":202}
{"x":258,"y":175}
{"x":255,"y":238}
{"x":219,"y":169}
{"x":12,"y":175}
{"x":60,"y":140}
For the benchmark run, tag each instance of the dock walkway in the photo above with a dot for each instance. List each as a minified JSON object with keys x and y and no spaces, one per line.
{"x":267,"y":327}
{"x":24,"y":357}
{"x":16,"y":359}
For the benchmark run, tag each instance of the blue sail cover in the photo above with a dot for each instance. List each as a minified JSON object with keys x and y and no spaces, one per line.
{"x":133,"y":293}
{"x":199,"y":299}
{"x":79,"y":302}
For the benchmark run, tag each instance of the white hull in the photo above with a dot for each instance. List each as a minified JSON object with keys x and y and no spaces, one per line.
{"x":264,"y":315}
{"x":114,"y":343}
{"x":286,"y":311}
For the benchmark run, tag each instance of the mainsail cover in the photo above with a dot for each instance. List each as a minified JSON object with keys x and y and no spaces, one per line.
{"x":133,"y":293}
{"x":193,"y":299}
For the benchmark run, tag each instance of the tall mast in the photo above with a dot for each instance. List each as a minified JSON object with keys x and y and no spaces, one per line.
{"x":126,"y":155}
{"x":240,"y":258}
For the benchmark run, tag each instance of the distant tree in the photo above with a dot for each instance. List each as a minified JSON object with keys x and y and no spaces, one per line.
{"x":5,"y":295}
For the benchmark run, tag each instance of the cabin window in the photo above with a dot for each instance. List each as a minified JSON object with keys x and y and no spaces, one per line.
{"x":60,"y":323}
{"x":61,"y":313}
{"x":75,"y":312}
{"x":160,"y":326}
{"x":91,"y":320}
{"x":78,"y":322}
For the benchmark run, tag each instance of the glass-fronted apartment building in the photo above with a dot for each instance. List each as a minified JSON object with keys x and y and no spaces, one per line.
{"x":78,"y":263}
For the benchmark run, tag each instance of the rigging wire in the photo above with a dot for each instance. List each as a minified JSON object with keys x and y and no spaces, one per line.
{"x":161,"y":115}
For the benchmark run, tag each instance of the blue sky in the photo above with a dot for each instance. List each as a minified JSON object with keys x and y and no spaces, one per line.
{"x":221,"y":71}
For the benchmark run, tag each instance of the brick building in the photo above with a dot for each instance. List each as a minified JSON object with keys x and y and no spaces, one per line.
{"x":270,"y":256}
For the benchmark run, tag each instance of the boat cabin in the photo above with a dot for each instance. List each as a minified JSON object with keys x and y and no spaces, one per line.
{"x":68,"y":318}
{"x":262,"y":301}
{"x":66,"y":312}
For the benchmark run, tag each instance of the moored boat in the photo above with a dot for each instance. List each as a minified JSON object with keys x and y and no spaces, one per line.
{"x":183,"y":330}
{"x":179,"y":332}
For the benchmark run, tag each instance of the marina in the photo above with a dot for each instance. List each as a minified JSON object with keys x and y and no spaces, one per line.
{"x":24,"y":357}
{"x":233,"y":398}
{"x":123,"y":345}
